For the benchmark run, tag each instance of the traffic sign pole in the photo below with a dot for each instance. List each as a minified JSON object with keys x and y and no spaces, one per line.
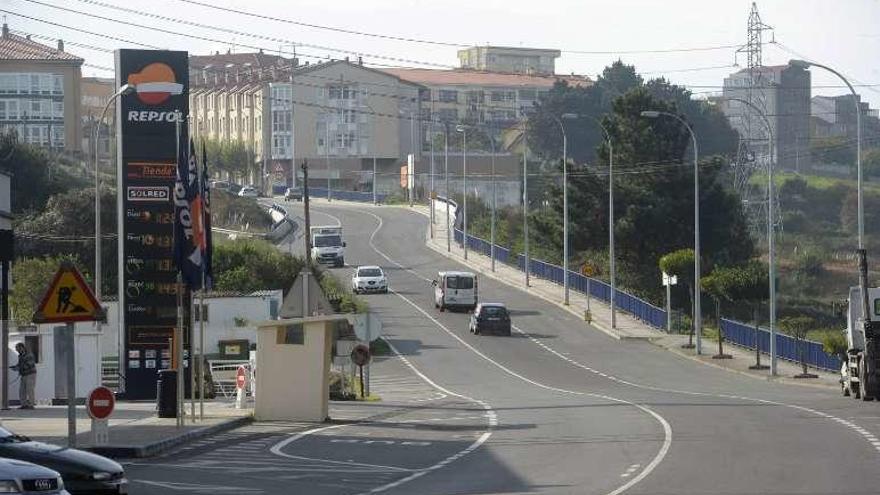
{"x":71,"y":385}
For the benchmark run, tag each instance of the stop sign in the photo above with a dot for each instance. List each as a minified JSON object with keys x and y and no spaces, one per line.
{"x":240,"y":377}
{"x":100,"y":403}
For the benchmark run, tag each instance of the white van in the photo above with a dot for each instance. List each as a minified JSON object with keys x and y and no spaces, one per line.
{"x":455,"y":290}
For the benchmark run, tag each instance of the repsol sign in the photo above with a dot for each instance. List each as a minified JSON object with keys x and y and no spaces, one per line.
{"x":153,"y":116}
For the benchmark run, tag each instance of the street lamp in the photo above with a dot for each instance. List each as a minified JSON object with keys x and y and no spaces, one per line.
{"x":653,"y":114}
{"x":525,"y":200}
{"x":771,"y":232}
{"x":565,"y":116}
{"x":494,"y":196}
{"x":446,"y":178}
{"x":125,"y":89}
{"x":463,"y":130}
{"x":803,"y":64}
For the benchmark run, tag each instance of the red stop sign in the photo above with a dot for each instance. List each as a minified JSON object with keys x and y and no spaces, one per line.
{"x":100,"y":403}
{"x":240,"y":377}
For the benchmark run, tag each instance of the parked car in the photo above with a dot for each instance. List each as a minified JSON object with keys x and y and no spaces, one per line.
{"x":82,"y":472}
{"x":490,"y":318}
{"x":220,"y":184}
{"x":293,"y":194}
{"x":369,"y":279}
{"x":25,"y":477}
{"x":455,"y":290}
{"x":248,"y":192}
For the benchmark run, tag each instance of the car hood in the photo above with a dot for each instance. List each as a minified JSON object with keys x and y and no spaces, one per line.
{"x":11,"y":469}
{"x":369,"y":279}
{"x":65,"y":460}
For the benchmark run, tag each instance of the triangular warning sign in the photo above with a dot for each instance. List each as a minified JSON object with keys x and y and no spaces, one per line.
{"x":68,"y":299}
{"x":295,"y":302}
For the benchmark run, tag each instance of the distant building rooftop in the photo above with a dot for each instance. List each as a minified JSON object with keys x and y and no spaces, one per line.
{"x":463,"y":77}
{"x":15,"y":47}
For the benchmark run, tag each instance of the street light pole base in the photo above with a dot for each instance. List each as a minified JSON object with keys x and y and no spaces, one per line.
{"x":759,"y":367}
{"x":806,"y":375}
{"x":688,"y":346}
{"x":722,"y":356}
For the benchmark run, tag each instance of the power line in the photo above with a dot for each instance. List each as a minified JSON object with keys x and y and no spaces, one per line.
{"x":105,"y":36}
{"x":215,"y":40}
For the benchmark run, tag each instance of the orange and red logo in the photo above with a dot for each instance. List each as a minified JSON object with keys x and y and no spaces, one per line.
{"x":155,"y":83}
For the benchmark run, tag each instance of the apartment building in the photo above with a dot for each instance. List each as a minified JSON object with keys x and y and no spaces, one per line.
{"x":782,"y":93}
{"x":490,"y":99}
{"x":40,"y":92}
{"x":345,"y":116}
{"x":95,"y":92}
{"x":509,"y":59}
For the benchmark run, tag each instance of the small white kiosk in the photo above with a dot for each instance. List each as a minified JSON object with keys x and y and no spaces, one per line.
{"x":293,"y":357}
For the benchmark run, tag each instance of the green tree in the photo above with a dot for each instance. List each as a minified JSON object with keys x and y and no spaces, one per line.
{"x":249,"y":265}
{"x":837,"y":149}
{"x":32,"y":277}
{"x":798,"y":326}
{"x":35,"y":177}
{"x":871,"y":162}
{"x":680,"y":264}
{"x":67,"y":224}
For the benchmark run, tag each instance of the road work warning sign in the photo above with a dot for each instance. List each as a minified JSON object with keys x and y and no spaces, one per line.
{"x":68,"y":299}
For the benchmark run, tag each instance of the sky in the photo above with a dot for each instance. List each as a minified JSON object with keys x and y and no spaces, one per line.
{"x":843,"y":34}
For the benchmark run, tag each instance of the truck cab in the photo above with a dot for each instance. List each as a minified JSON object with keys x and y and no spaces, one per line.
{"x":328,"y":247}
{"x":853,"y":368}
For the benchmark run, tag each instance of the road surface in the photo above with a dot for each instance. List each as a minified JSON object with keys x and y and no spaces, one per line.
{"x":556,"y":408}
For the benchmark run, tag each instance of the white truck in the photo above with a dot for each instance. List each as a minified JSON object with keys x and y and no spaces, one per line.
{"x":860,"y":373}
{"x":327,"y":245}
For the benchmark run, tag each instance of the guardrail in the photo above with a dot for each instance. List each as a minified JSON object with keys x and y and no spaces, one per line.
{"x":786,"y":346}
{"x":650,"y":314}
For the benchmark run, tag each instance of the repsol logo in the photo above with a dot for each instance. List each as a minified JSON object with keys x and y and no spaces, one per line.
{"x":154,"y":116}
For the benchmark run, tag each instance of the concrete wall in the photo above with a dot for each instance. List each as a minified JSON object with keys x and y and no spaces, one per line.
{"x":87,"y":363}
{"x":220,"y":325}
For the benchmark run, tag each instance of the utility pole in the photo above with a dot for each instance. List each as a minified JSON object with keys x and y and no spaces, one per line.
{"x":526,"y":203}
{"x":446,"y":173}
{"x":307,"y":226}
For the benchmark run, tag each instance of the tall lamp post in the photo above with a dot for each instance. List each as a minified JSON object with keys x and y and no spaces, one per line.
{"x":612,"y":266}
{"x":803,"y":64}
{"x":125,"y":89}
{"x":494,"y":196}
{"x":771,"y":231}
{"x":463,"y":130}
{"x":565,"y":116}
{"x":446,"y":179}
{"x":525,"y":200}
{"x":698,"y":324}
{"x":375,"y":201}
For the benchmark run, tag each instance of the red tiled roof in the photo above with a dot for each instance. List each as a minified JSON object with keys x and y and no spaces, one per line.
{"x":221,"y":60}
{"x":14,"y":47}
{"x":463,"y":77}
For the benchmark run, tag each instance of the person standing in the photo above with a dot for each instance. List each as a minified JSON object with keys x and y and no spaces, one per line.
{"x":27,"y":371}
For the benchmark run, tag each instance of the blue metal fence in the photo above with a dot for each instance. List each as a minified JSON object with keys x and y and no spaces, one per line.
{"x":638,"y":308}
{"x":786,"y":346}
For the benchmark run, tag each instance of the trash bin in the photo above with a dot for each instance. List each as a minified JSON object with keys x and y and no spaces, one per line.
{"x":166,"y":394}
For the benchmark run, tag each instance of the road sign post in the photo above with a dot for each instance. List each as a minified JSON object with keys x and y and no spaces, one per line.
{"x":367,"y":327}
{"x":240,"y":383}
{"x":360,"y":356}
{"x":69,"y":299}
{"x":100,"y":405}
{"x":668,"y":282}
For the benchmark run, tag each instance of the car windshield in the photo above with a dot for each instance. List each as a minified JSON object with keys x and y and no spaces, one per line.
{"x":328,"y":241}
{"x":456,"y":282}
{"x":493,"y":311}
{"x":369,"y":272}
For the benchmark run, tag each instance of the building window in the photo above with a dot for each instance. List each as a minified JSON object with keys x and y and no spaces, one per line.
{"x":58,"y":136}
{"x":342,"y":92}
{"x":204,"y":313}
{"x":528,"y":94}
{"x":448,"y":96}
{"x":503,"y":95}
{"x":447,"y":115}
{"x":281,"y":121}
{"x":344,"y":140}
{"x":347,"y":116}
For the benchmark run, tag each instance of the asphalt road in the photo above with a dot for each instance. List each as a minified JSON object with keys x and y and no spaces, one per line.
{"x":556,"y":408}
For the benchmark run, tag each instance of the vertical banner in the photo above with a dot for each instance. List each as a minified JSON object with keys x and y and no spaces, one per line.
{"x":147,"y":160}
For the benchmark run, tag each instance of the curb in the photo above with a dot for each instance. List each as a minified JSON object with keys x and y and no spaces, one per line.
{"x":766,"y":378}
{"x":152,"y":449}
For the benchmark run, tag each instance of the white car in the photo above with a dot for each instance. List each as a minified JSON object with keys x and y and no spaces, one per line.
{"x":248,"y":192}
{"x":24,"y":477}
{"x":369,"y":279}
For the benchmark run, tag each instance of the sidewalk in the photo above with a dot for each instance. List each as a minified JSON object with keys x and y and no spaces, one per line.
{"x":628,"y":327}
{"x":135,"y":430}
